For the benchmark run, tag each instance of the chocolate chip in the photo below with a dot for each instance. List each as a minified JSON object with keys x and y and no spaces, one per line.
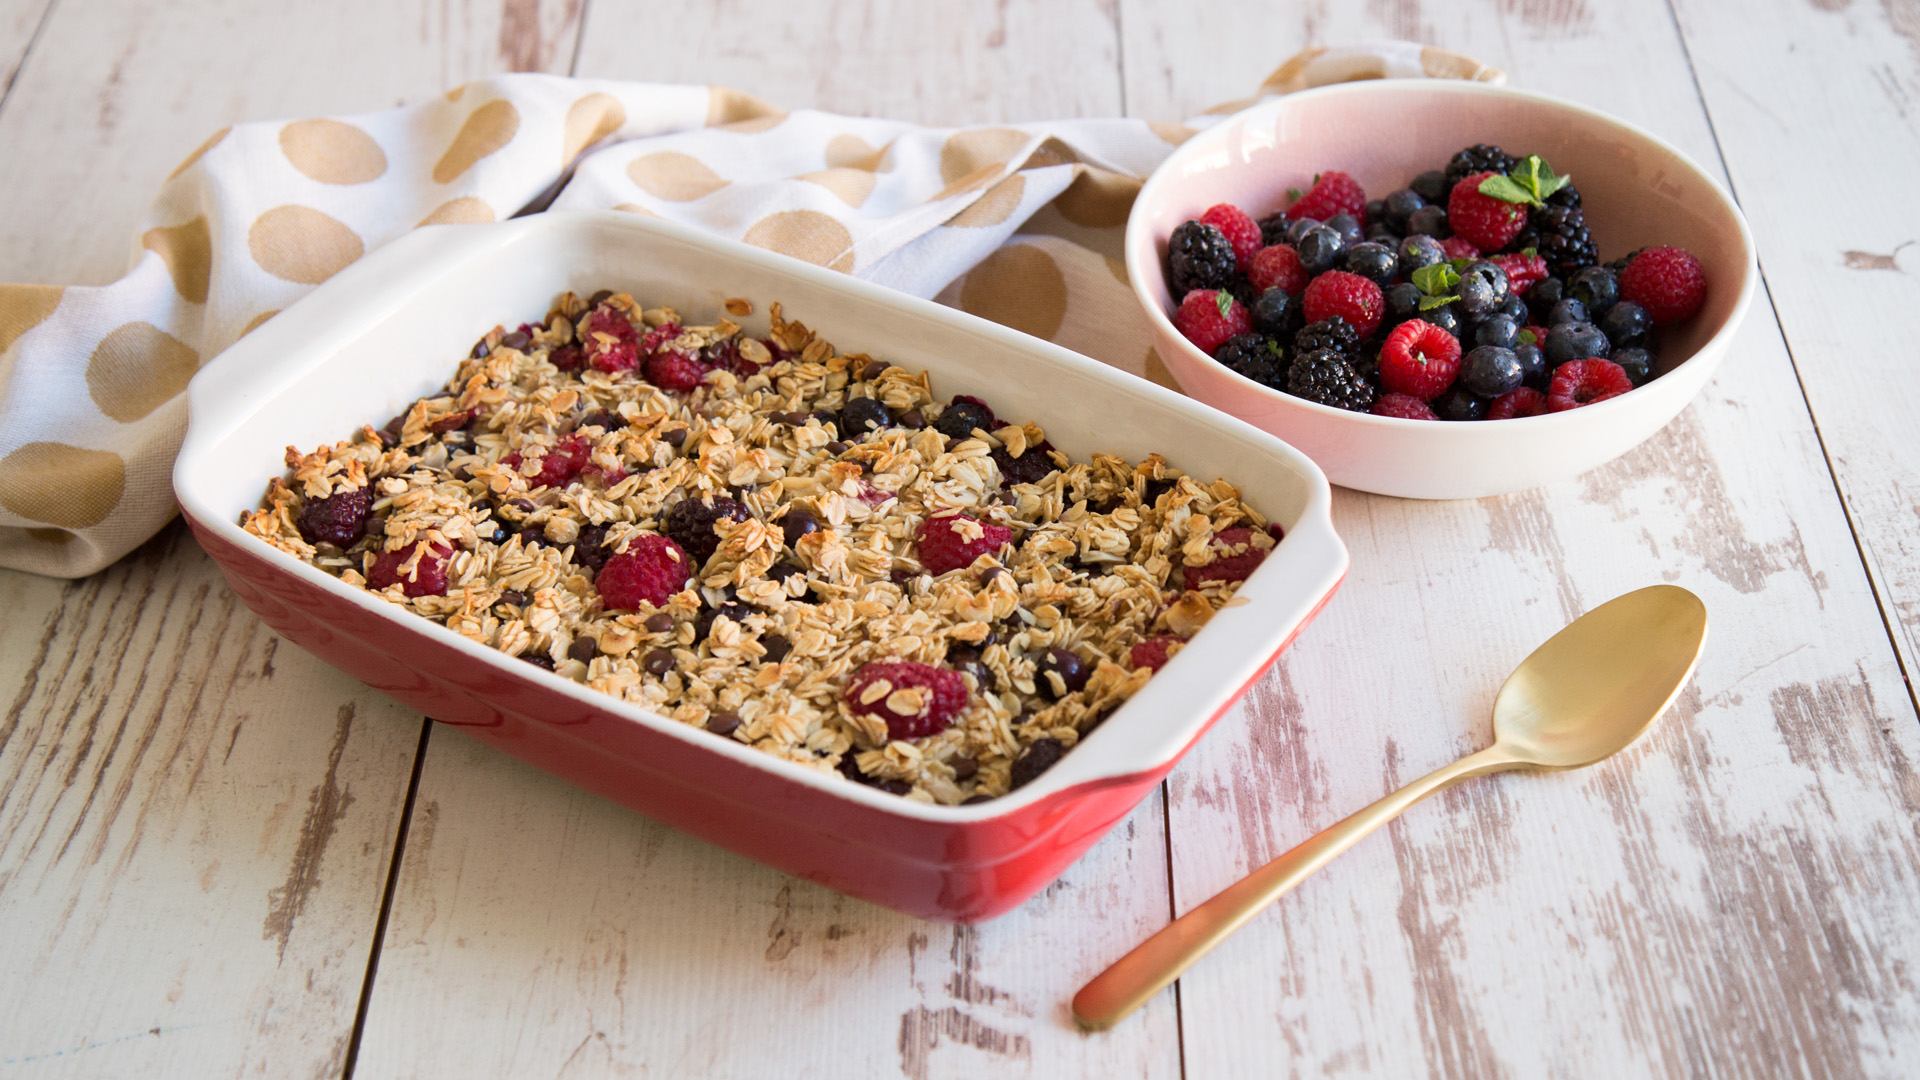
{"x":533,"y":535}
{"x":480,"y":349}
{"x":516,"y":340}
{"x":873,"y":370}
{"x":676,"y":437}
{"x":836,"y":448}
{"x":525,"y":505}
{"x":913,"y":420}
{"x":972,"y":800}
{"x":966,"y":660}
{"x":657,"y":661}
{"x":796,"y":523}
{"x":599,"y":298}
{"x":601,"y":418}
{"x":376,"y":526}
{"x":1064,"y":663}
{"x":703,"y":623}
{"x":590,"y":547}
{"x":658,"y":623}
{"x":1036,"y":759}
{"x":901,"y":575}
{"x":452,"y":421}
{"x":723,"y":723}
{"x":539,"y":660}
{"x":514,"y":597}
{"x":894,"y":787}
{"x":777,"y":647}
{"x":583,"y":648}
{"x":389,"y":439}
{"x":990,"y":574}
{"x":963,"y":767}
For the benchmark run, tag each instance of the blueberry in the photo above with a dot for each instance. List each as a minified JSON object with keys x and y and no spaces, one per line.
{"x":1318,"y":249}
{"x":1567,"y":311}
{"x":861,"y":415}
{"x":958,"y":420}
{"x":1543,"y":295}
{"x":1381,"y":232}
{"x":1298,"y":229}
{"x":1275,"y":312}
{"x":1483,"y":285}
{"x":796,"y":523}
{"x":1402,"y":303}
{"x":1446,"y":317}
{"x":1376,"y":211}
{"x":1375,"y":262}
{"x":1636,"y":361}
{"x":1491,"y":370}
{"x":1575,"y":341}
{"x":1498,"y":330}
{"x":1417,"y":252}
{"x":1533,"y":366}
{"x":1596,"y":287}
{"x":1348,"y":227}
{"x":1431,"y":186}
{"x":1072,"y":671}
{"x":1431,"y":220}
{"x":1626,"y":324}
{"x":1400,"y":205}
{"x":1459,"y":403}
{"x":1514,"y":307}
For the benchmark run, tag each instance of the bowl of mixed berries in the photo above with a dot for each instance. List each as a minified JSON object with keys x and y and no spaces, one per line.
{"x":1439,"y":289}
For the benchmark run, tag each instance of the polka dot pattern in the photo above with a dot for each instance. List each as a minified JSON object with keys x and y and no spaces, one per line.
{"x":1020,"y":287}
{"x":674,"y":176}
{"x":1099,"y":199}
{"x":488,"y":128}
{"x":138,"y":368}
{"x":301,"y":244}
{"x":848,"y":151}
{"x":465,"y":210}
{"x":23,"y":307}
{"x":807,"y":235}
{"x":740,"y":112}
{"x":188,"y":252}
{"x":66,"y":486}
{"x":332,"y":152}
{"x":996,"y":206}
{"x":851,"y":185}
{"x":589,"y":120}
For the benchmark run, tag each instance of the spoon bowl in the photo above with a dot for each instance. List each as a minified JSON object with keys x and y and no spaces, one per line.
{"x":1582,"y":697}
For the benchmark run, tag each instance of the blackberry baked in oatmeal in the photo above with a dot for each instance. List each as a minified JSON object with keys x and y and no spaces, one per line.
{"x":801,"y":550}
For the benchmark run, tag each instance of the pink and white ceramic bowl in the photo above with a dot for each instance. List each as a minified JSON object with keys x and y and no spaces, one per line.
{"x":392,"y":327}
{"x":1638,"y":191}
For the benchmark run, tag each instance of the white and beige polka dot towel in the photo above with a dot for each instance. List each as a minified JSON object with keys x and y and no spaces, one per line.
{"x":1021,"y":224}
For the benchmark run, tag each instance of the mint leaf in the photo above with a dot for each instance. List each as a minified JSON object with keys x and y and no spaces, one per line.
{"x":1459,"y":264}
{"x":1428,"y":303}
{"x":1293,"y":194}
{"x":1274,"y":348}
{"x":1224,"y":301}
{"x":1527,"y":338}
{"x":1538,"y":177}
{"x":1436,"y":279}
{"x":1530,"y":252}
{"x":1507,"y":189}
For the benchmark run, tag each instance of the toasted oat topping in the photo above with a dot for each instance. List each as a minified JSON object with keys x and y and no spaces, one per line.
{"x":550,"y":451}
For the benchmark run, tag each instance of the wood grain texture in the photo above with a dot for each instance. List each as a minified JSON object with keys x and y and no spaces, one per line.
{"x":539,"y":930}
{"x":1729,"y":898}
{"x":18,"y":20}
{"x":1835,"y":82}
{"x":121,"y":91}
{"x":947,"y":64}
{"x":195,"y":824}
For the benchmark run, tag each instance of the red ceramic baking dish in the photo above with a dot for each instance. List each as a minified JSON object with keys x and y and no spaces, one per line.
{"x":391,"y":328}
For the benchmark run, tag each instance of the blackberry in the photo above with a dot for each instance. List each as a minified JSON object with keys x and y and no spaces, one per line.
{"x":1619,"y":265}
{"x":1329,"y":333}
{"x":1559,"y":235}
{"x":690,"y":523}
{"x":1256,"y":356}
{"x":1199,"y":256}
{"x":1478,"y":158}
{"x":1273,"y":228}
{"x":1326,"y":376}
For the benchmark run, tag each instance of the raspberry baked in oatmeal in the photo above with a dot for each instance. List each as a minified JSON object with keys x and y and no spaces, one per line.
{"x":801,"y":550}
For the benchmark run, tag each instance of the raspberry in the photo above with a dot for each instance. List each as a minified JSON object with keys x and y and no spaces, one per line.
{"x":1459,"y":248}
{"x":675,"y":371}
{"x":1419,"y":359}
{"x":1403,"y":406}
{"x":690,"y":523}
{"x":1526,"y":401}
{"x":429,"y":577}
{"x":1228,"y":566}
{"x":1350,"y":296}
{"x":1208,"y":317}
{"x":1522,"y":271}
{"x":1239,"y":229}
{"x":945,"y":544}
{"x":916,"y":700}
{"x":1332,"y":193}
{"x":1154,"y":652}
{"x":1277,"y":267}
{"x":1583,"y":382}
{"x":339,"y":519}
{"x":610,"y":341}
{"x":652,"y":569}
{"x":1667,"y":281}
{"x":559,"y":465}
{"x":567,"y":358}
{"x":659,"y":336}
{"x":1486,"y":222}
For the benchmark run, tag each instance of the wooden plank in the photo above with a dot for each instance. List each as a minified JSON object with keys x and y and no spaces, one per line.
{"x":946,"y":64}
{"x":537,"y":929}
{"x":18,"y":20}
{"x":195,"y":826}
{"x":121,"y":91}
{"x":1840,"y":269}
{"x":1732,"y":897}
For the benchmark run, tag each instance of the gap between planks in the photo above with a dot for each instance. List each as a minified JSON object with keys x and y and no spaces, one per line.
{"x":386,"y":899}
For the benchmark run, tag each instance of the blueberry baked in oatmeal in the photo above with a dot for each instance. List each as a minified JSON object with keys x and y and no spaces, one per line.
{"x":802,"y":550}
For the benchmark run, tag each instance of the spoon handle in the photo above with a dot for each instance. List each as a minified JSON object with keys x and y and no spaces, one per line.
{"x":1157,"y":961}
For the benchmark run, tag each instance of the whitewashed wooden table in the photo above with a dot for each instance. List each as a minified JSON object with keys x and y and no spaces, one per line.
{"x":218,"y":856}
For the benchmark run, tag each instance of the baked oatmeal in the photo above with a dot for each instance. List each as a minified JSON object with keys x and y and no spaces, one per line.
{"x":802,"y":550}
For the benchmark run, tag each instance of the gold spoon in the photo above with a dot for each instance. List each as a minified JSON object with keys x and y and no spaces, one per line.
{"x":1582,"y":697}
